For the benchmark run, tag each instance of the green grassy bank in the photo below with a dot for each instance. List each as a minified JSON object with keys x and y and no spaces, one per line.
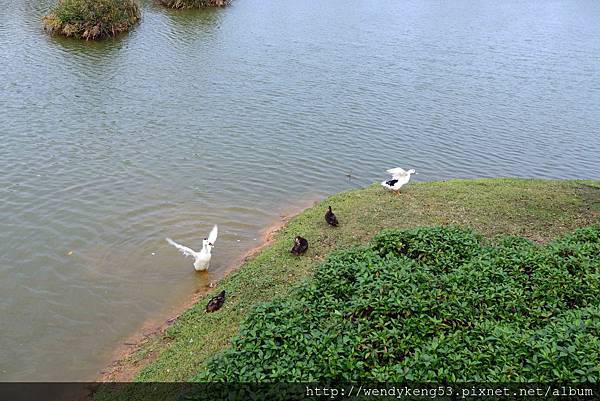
{"x":92,"y":19}
{"x":539,"y":210}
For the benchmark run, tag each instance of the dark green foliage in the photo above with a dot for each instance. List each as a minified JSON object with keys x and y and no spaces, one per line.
{"x":440,"y":248}
{"x":92,"y":19}
{"x":432,"y":304}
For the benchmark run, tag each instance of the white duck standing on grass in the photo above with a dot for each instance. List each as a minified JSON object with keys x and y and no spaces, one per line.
{"x":399,"y":178}
{"x":202,"y":258}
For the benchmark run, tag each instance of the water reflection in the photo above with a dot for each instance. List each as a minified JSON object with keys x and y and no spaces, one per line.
{"x":191,"y":24}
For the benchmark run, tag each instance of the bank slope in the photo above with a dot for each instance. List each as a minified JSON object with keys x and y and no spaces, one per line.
{"x":539,"y":210}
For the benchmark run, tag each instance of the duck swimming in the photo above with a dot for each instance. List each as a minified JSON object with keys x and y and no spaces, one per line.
{"x":215,"y":303}
{"x":202,"y":258}
{"x":300,"y":246}
{"x":399,"y":178}
{"x":330,"y":218}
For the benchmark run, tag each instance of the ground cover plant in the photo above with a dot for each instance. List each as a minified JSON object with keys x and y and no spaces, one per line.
{"x":92,"y":19}
{"x":431,"y":304}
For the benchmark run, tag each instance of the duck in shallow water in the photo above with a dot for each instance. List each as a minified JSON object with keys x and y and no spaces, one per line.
{"x":300,"y":246}
{"x":399,"y":179}
{"x":215,"y":303}
{"x":202,"y":258}
{"x":330,"y":218}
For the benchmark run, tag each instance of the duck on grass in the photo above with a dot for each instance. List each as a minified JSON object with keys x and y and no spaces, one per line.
{"x":400,"y":177}
{"x":92,"y":19}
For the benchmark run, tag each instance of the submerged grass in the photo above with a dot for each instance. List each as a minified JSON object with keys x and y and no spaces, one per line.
{"x":92,"y":19}
{"x":539,"y":210}
{"x":191,"y":4}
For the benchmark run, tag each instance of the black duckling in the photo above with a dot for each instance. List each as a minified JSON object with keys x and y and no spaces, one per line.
{"x":300,"y":246}
{"x":330,"y":218}
{"x":215,"y":303}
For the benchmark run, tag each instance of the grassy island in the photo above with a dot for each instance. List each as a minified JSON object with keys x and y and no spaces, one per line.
{"x":191,"y":4}
{"x":507,"y":267}
{"x":92,"y":19}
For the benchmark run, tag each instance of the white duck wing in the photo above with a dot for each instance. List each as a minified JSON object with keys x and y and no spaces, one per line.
{"x":183,"y":249}
{"x":397,"y":172}
{"x":212,"y":237}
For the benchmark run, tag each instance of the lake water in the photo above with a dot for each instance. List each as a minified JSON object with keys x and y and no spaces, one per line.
{"x":234,"y":116}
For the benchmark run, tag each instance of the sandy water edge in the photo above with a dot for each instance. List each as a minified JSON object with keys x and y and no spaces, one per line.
{"x":122,"y":368}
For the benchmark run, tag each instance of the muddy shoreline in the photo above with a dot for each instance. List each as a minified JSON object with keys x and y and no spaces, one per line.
{"x":123,"y":368}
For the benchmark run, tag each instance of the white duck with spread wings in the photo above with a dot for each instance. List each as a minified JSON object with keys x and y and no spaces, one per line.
{"x":202,"y":258}
{"x":399,"y":178}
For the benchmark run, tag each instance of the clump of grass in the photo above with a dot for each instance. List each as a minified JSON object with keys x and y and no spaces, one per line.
{"x":190,"y":4}
{"x":92,"y":19}
{"x":431,"y":304}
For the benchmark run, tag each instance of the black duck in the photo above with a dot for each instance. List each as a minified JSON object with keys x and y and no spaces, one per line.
{"x":300,"y":246}
{"x":330,"y":218}
{"x":215,"y":303}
